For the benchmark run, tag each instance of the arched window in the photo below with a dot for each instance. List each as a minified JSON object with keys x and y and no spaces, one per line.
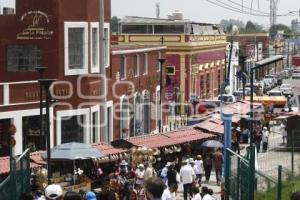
{"x":124,"y":117}
{"x":138,"y":114}
{"x":146,"y":111}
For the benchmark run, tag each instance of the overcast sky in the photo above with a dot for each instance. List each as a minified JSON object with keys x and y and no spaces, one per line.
{"x":202,"y":10}
{"x":197,"y":10}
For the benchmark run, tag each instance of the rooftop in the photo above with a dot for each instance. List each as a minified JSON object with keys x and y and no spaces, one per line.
{"x":148,"y":20}
{"x":135,"y":48}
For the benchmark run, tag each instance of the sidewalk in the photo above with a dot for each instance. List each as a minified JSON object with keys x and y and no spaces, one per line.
{"x":212,"y":184}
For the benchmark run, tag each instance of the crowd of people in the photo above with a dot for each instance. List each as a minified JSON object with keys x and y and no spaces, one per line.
{"x":144,"y":182}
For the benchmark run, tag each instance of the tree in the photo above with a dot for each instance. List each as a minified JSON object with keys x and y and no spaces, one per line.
{"x":250,"y":26}
{"x":114,"y":23}
{"x":279,"y":27}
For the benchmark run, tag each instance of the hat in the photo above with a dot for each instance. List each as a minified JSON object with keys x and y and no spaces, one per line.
{"x":123,"y":162}
{"x":53,"y":191}
{"x":168,"y":164}
{"x":191,"y":160}
{"x":238,"y":129}
{"x":90,"y":196}
{"x":141,"y":165}
{"x":199,"y":157}
{"x":265,"y":128}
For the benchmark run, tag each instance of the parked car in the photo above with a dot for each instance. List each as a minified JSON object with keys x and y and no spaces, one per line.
{"x":286,"y":89}
{"x":227,"y":98}
{"x":275,"y":93}
{"x":296,"y":76}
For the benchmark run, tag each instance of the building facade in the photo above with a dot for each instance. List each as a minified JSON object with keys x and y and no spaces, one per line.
{"x":63,"y":37}
{"x":195,"y":54}
{"x":134,"y":89}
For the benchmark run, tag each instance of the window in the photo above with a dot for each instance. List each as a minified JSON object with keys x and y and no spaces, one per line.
{"x":157,"y":62}
{"x":136,"y":65}
{"x":170,"y":70}
{"x":169,"y":29}
{"x":207,"y":84}
{"x":94,"y":47}
{"x":124,"y":117}
{"x":145,"y":63}
{"x":123,"y":69}
{"x":134,"y":29}
{"x":4,"y":148}
{"x":72,"y":129}
{"x":106,"y":44}
{"x":146,"y":111}
{"x":76,"y":48}
{"x":95,"y":127}
{"x":138,"y":112}
{"x":23,"y":58}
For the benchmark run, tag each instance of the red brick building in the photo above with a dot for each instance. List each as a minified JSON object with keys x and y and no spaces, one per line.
{"x":134,"y":89}
{"x":62,"y":36}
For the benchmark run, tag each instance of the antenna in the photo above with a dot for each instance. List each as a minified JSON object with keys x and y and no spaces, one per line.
{"x":157,"y":5}
{"x":273,"y":12}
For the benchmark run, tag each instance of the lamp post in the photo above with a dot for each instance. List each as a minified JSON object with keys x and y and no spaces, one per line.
{"x":161,"y":62}
{"x":46,"y":83}
{"x":41,"y":73}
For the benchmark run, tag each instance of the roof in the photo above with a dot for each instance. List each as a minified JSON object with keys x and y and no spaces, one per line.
{"x":287,"y":115}
{"x":240,"y":107}
{"x":211,"y":125}
{"x":5,"y":165}
{"x":36,"y":157}
{"x":153,"y":141}
{"x":148,"y":20}
{"x":134,"y":48}
{"x":108,"y":149}
{"x":188,"y":135}
{"x":269,"y":60}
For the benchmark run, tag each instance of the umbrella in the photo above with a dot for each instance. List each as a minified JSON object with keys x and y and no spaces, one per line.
{"x":73,"y":151}
{"x":212,"y":144}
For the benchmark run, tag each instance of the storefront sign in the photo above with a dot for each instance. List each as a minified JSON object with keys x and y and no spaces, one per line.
{"x":35,"y":30}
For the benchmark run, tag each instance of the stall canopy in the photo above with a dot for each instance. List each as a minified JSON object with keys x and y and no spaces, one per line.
{"x":73,"y":151}
{"x":164,"y":139}
{"x":211,"y":125}
{"x":108,"y":149}
{"x":242,"y":107}
{"x":5,"y":162}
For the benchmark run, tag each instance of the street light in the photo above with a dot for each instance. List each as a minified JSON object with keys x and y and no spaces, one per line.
{"x":161,"y":62}
{"x":46,"y":83}
{"x":41,"y":73}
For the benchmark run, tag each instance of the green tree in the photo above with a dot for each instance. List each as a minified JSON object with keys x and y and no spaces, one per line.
{"x":114,"y":24}
{"x":279,"y":27}
{"x":250,"y":26}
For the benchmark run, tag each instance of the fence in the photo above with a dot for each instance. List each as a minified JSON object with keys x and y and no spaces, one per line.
{"x":19,"y":179}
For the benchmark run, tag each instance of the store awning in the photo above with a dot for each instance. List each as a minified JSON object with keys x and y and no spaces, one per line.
{"x":108,"y":149}
{"x":211,"y":125}
{"x":188,"y":135}
{"x":5,"y":165}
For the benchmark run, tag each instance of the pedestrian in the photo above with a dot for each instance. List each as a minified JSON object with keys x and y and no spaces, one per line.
{"x":205,"y":194}
{"x":207,"y":163}
{"x":265,"y":138}
{"x":154,"y":188}
{"x":217,"y":163}
{"x":70,"y":195}
{"x":54,"y":192}
{"x":257,"y":138}
{"x":172,"y":175}
{"x":140,"y":172}
{"x":283,"y":132}
{"x":90,"y":196}
{"x":164,"y":172}
{"x":170,"y":192}
{"x":187,"y":176}
{"x":236,"y":139}
{"x":199,"y":169}
{"x":196,"y":193}
{"x":106,"y":192}
{"x":245,"y":134}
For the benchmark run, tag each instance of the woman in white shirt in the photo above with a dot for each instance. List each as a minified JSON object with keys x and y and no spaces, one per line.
{"x":170,"y":192}
{"x":199,"y":169}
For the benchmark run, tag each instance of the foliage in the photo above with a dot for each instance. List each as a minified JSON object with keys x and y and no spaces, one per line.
{"x":250,"y":26}
{"x":279,"y":27}
{"x":287,"y":188}
{"x":114,"y":23}
{"x":227,"y":24}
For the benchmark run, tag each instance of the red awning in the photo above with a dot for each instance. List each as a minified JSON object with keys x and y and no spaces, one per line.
{"x":37,"y":157}
{"x":153,"y":141}
{"x":188,"y":135}
{"x":108,"y":149}
{"x":211,"y":125}
{"x":5,"y":168}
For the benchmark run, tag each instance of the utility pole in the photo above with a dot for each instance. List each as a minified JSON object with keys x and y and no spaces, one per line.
{"x":103,"y":84}
{"x":288,"y":54}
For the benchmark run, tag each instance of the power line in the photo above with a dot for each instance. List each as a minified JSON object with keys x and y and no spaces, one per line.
{"x":243,"y":6}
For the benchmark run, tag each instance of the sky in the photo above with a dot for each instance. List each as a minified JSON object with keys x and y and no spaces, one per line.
{"x":202,"y":10}
{"x":197,"y":10}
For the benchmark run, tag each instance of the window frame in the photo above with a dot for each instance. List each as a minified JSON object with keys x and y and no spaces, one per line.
{"x":145,"y":64}
{"x":125,"y":67}
{"x":158,"y":67}
{"x":94,"y":68}
{"x":67,"y":26}
{"x":107,"y":26}
{"x":136,"y":63}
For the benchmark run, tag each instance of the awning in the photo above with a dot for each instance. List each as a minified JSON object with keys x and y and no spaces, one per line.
{"x":108,"y":149}
{"x":211,"y":125}
{"x":188,"y":135}
{"x":153,"y":141}
{"x":5,"y":165}
{"x":287,"y":115}
{"x":241,"y":107}
{"x":36,"y":157}
{"x":269,"y":60}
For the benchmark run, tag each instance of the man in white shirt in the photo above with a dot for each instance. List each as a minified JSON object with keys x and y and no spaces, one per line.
{"x":170,"y":192}
{"x":265,"y":138}
{"x":283,"y":132}
{"x":187,"y":176}
{"x":199,"y":169}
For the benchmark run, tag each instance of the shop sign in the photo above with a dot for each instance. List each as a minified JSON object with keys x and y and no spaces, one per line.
{"x":35,"y":30}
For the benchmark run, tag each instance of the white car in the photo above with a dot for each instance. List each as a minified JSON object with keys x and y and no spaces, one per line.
{"x":286,"y":89}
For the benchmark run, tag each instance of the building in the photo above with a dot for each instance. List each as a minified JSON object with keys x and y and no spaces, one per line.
{"x":63,"y":37}
{"x":195,"y":54}
{"x":134,"y":90}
